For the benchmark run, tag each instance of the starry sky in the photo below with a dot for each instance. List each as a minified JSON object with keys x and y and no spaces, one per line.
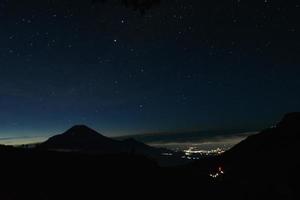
{"x":179,"y":65}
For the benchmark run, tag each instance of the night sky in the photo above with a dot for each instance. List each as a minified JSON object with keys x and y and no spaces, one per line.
{"x":180,"y":65}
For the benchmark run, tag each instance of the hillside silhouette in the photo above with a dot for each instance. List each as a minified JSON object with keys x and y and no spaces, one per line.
{"x":81,"y":138}
{"x":263,"y":166}
{"x":267,"y":162}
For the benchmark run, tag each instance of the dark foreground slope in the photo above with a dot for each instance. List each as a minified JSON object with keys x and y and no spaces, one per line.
{"x":264,"y":166}
{"x":38,"y":174}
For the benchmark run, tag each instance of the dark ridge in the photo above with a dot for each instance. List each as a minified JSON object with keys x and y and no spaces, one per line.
{"x":84,"y":139}
{"x":290,"y":121}
{"x":82,"y":130}
{"x":264,"y":166}
{"x":275,"y":147}
{"x":81,"y":137}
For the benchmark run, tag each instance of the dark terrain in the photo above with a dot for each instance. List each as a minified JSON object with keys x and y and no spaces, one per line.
{"x":82,"y":164}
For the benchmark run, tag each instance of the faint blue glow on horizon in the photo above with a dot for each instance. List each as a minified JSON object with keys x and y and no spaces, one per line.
{"x":21,"y":140}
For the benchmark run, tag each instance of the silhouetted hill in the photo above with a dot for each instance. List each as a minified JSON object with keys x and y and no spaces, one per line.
{"x":265,"y":165}
{"x":5,"y":147}
{"x":136,"y":146}
{"x":84,"y":139}
{"x":40,"y":174}
{"x":280,"y":140}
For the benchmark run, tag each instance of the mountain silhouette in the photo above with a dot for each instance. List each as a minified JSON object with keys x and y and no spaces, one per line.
{"x":81,"y":138}
{"x":280,"y":140}
{"x":84,"y":139}
{"x":267,"y":162}
{"x":263,"y":166}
